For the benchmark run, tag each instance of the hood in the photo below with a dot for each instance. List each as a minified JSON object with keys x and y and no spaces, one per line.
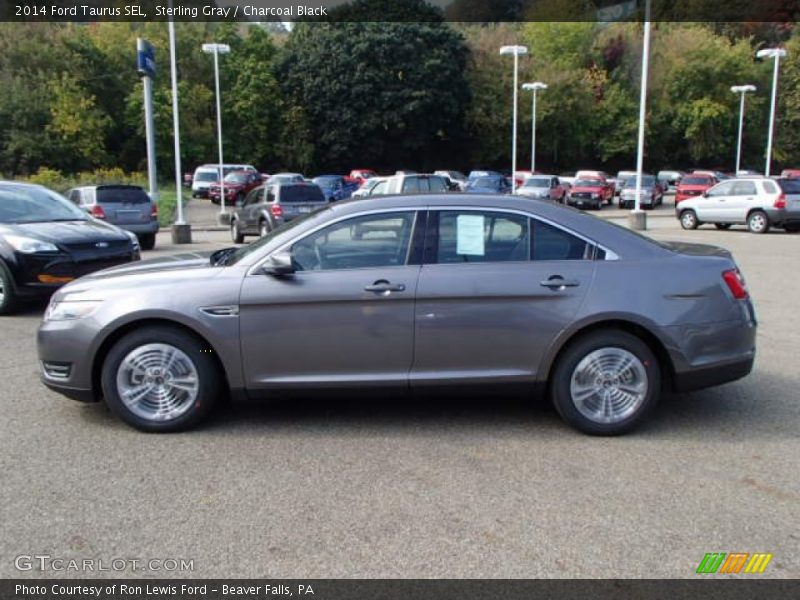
{"x":228,"y":186}
{"x":68,"y":232}
{"x":162,"y":264}
{"x":588,"y":188}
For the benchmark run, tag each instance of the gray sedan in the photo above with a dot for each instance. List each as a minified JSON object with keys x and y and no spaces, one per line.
{"x":408,"y":292}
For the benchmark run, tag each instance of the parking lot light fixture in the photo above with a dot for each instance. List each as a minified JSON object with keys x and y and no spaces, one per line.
{"x":516,"y":51}
{"x":533,"y":87}
{"x":741,"y":89}
{"x":181,"y":231}
{"x":216,"y":50}
{"x":777,"y":54}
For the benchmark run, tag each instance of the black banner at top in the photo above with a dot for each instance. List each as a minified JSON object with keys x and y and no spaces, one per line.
{"x":398,"y":10}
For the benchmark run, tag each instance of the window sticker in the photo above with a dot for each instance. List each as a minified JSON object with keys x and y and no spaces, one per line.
{"x":469,"y":235}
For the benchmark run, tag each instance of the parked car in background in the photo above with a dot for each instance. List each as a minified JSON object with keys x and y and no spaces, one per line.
{"x":360,"y":175}
{"x":542,"y":187}
{"x":589,"y":192}
{"x":622,"y":178}
{"x":650,"y":195}
{"x":416,"y":183}
{"x":748,"y":173}
{"x":205,"y":175}
{"x":693,"y":184}
{"x":567,"y":178}
{"x":718,"y":175}
{"x":669,"y":180}
{"x":791,"y":173}
{"x":237,"y":185}
{"x":372,"y":186}
{"x":519,"y":293}
{"x":488,"y":184}
{"x":335,"y":187}
{"x":128,"y":207}
{"x":269,"y":206}
{"x":47,"y":241}
{"x":609,"y":184}
{"x":282,"y":178}
{"x":456,"y":180}
{"x":759,"y":203}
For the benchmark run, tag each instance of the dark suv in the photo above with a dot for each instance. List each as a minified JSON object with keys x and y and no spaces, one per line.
{"x":126,"y":206}
{"x":268,"y":206}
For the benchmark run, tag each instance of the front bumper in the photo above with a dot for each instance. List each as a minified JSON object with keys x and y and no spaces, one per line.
{"x":71,"y":345}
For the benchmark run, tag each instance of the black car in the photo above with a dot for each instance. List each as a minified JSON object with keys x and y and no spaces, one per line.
{"x":46,"y":241}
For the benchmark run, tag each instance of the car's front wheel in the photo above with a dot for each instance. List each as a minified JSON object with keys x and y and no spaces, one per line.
{"x":160,"y":379}
{"x":8,"y":296}
{"x":606,"y":382}
{"x":758,"y":222}
{"x":263,"y":228}
{"x":689,"y":219}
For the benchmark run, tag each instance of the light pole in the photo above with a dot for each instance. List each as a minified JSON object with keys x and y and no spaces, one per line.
{"x":777,"y":54}
{"x":181,"y":231}
{"x":533,"y":87}
{"x":637,"y":218}
{"x":216,"y":50}
{"x":741,"y":89}
{"x":516,"y":51}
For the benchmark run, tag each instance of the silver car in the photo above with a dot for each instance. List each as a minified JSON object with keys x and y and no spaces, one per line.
{"x":410,"y":293}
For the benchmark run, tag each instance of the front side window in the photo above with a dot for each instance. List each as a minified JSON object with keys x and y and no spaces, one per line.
{"x":722,"y":189}
{"x":478,"y":236}
{"x":255,"y":196}
{"x":379,"y":240}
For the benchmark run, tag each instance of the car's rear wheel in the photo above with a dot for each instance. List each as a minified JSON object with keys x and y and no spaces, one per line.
{"x":263,"y":228}
{"x":758,"y":222}
{"x":236,"y":233}
{"x":606,"y":382}
{"x":239,"y":200}
{"x":8,"y":295}
{"x":722,"y":226}
{"x":160,"y":379}
{"x":147,"y":241}
{"x":689,"y":219}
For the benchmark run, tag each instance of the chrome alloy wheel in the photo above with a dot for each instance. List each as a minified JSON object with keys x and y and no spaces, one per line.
{"x":2,"y":291}
{"x":157,"y":382}
{"x":608,"y":385}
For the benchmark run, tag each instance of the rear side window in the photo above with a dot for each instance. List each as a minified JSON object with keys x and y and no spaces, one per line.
{"x":477,"y":237}
{"x":769,"y":187}
{"x":789,"y":186}
{"x":411,"y":185}
{"x":552,"y":243}
{"x":122,"y":195}
{"x":301,"y":193}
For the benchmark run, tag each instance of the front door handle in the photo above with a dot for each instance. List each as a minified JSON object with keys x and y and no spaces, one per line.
{"x":557,"y":283}
{"x":383,"y":286}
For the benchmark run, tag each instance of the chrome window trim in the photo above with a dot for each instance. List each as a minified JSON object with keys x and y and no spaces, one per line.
{"x":610,"y":254}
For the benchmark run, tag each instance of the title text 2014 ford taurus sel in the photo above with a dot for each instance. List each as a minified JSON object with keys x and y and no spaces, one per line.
{"x":408,"y":292}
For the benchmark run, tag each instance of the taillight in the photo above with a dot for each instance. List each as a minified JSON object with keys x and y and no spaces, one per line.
{"x":733,"y":278}
{"x":276,"y":210}
{"x":781,"y":201}
{"x":154,"y":211}
{"x":98,"y":212}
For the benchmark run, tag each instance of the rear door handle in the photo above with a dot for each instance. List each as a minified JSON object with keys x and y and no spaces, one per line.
{"x":384,"y":287}
{"x":557,"y":282}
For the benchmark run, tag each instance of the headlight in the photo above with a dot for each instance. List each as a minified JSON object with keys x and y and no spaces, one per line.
{"x":595,"y":196}
{"x":28,"y":245}
{"x":70,"y":311}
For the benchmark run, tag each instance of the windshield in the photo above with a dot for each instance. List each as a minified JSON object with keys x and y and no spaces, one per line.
{"x":696,"y":181}
{"x":326,"y":182}
{"x":486,"y":182}
{"x":587,"y":183}
{"x":301,"y":193}
{"x":206,"y":176}
{"x":235,"y":178}
{"x":23,"y":204}
{"x":122,"y":194}
{"x":538,"y":182}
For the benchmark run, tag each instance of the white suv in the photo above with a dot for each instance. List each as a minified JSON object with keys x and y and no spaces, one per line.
{"x":759,"y":203}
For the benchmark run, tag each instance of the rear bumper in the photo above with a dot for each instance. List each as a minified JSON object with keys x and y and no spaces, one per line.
{"x":141,"y":228}
{"x":712,"y":375}
{"x":779,"y":217}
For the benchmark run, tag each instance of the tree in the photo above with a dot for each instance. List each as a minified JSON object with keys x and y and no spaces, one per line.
{"x":377,"y":94}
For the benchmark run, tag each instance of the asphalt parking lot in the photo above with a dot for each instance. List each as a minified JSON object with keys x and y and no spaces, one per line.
{"x":440,"y":487}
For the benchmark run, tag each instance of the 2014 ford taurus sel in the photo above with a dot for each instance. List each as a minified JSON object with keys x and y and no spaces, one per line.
{"x":408,"y":292}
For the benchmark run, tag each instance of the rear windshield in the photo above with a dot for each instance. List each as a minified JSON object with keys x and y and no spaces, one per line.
{"x":122,"y":195}
{"x":537,"y":182}
{"x":302,"y":193}
{"x":790,"y":186}
{"x":696,"y":180}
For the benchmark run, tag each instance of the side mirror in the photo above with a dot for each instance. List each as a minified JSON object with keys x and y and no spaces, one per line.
{"x":279,"y":263}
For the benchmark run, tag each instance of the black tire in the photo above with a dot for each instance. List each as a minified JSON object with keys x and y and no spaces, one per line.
{"x":239,"y":199}
{"x":8,"y":294}
{"x":147,"y":241}
{"x":722,"y":226}
{"x":758,"y":222}
{"x":263,"y":228}
{"x":688,"y":219}
{"x":209,"y":381}
{"x":616,"y":341}
{"x":236,"y":235}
